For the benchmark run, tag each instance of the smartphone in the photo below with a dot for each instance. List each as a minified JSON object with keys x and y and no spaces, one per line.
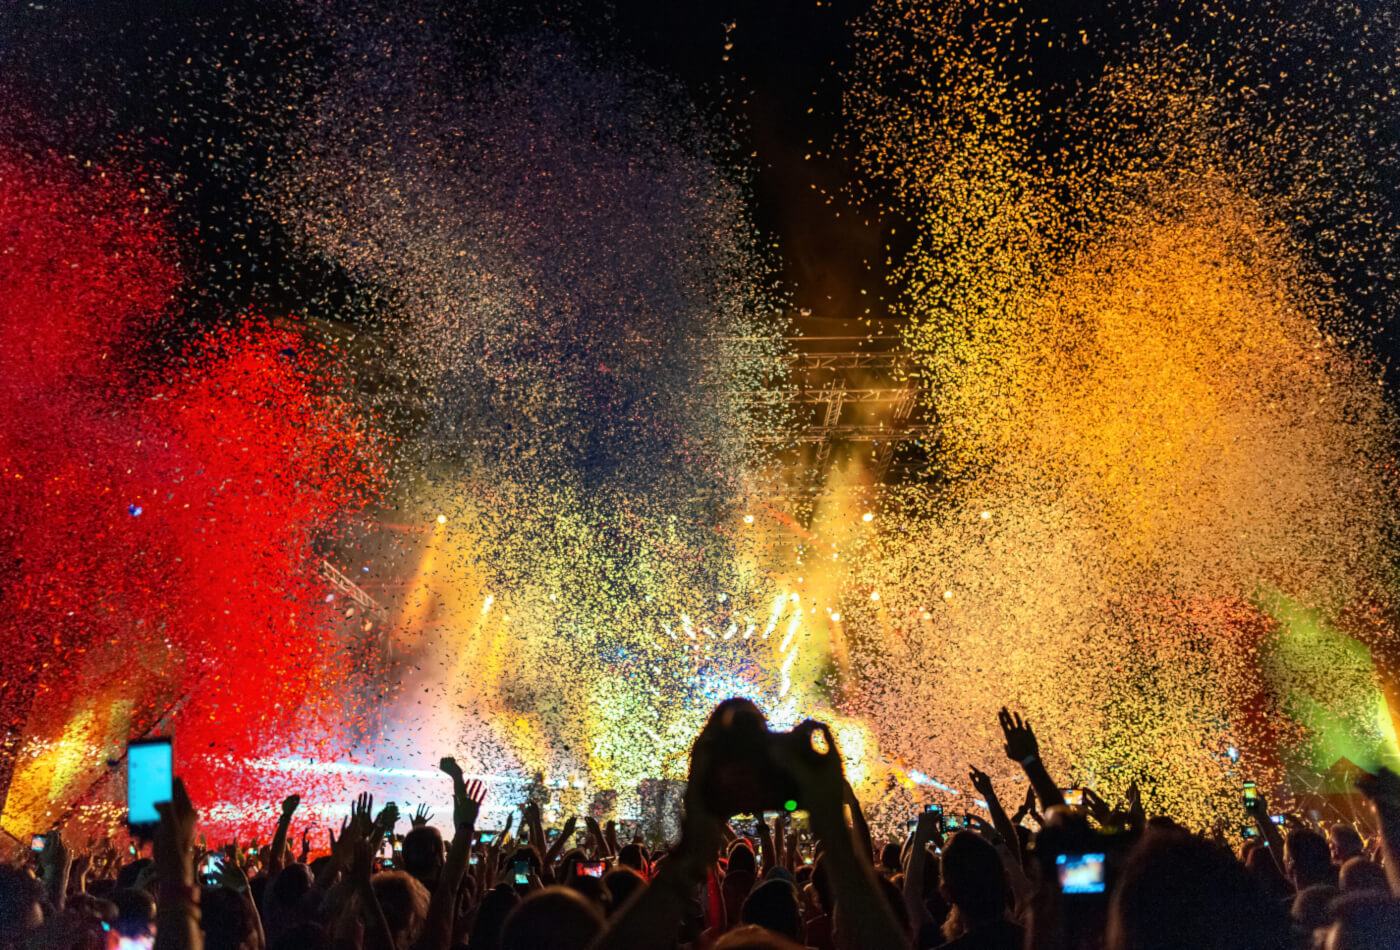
{"x":1250,"y":795}
{"x":1249,"y":831}
{"x":142,"y":942}
{"x":522,"y":871}
{"x":591,"y":868}
{"x":1081,"y":873}
{"x":953,"y":823}
{"x":36,"y":843}
{"x":210,"y":867}
{"x":150,"y":775}
{"x":1276,"y":819}
{"x":937,"y":812}
{"x":474,"y":860}
{"x":1074,"y":797}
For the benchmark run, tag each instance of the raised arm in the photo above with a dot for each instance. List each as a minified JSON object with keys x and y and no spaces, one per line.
{"x":768,"y":859}
{"x":915,"y":869}
{"x":859,"y":827}
{"x":867,"y":921}
{"x":56,"y":861}
{"x":652,"y":919}
{"x":279,"y":837}
{"x":177,"y":904}
{"x":1022,"y":747}
{"x":1259,"y":812}
{"x":982,"y":782}
{"x":437,"y":928}
{"x":1384,"y":793}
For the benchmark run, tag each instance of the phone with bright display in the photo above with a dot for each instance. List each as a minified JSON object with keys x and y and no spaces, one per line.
{"x":36,"y":843}
{"x":591,"y":868}
{"x":1249,"y":831}
{"x":1085,"y":873}
{"x":953,"y":823}
{"x":150,"y":777}
{"x":937,"y":812}
{"x":209,"y":870}
{"x":1251,"y":795}
{"x":1074,"y":797}
{"x":522,"y":871}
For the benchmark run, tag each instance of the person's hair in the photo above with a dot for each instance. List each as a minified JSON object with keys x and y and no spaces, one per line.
{"x":973,"y":877}
{"x":422,"y":852}
{"x":774,"y":906}
{"x":632,"y":856}
{"x":20,"y":895}
{"x":741,"y":858}
{"x":1261,"y":864}
{"x":889,"y":857}
{"x":1346,"y":841}
{"x":136,"y":911}
{"x":405,"y":904}
{"x":491,"y":917}
{"x":1178,"y":891}
{"x":1309,"y":858}
{"x":619,"y":885}
{"x":227,"y":920}
{"x":1360,"y":874}
{"x":752,"y":937}
{"x":128,"y":873}
{"x":1310,"y":907}
{"x":555,"y":918}
{"x":290,"y":885}
{"x":306,"y":935}
{"x":1364,"y":921}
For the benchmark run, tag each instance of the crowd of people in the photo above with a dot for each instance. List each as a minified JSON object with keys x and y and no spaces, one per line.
{"x":1051,"y":876}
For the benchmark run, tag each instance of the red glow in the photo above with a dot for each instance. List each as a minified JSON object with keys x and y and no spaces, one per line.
{"x":158,"y":523}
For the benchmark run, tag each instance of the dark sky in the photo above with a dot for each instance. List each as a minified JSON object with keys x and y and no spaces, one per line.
{"x":92,"y":77}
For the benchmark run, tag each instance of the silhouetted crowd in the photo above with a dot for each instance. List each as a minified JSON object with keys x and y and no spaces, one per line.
{"x":774,"y":851}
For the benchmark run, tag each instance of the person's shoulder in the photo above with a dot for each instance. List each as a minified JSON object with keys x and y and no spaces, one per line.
{"x":1003,"y":935}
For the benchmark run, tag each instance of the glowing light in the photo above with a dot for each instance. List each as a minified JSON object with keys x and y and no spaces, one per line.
{"x":986,"y":515}
{"x":442,"y":519}
{"x":748,"y":519}
{"x":868,"y":516}
{"x":874,"y":595}
{"x":947,"y":595}
{"x":836,"y":616}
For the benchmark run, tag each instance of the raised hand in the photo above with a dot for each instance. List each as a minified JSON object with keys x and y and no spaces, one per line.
{"x":361,"y":810}
{"x":231,"y":876}
{"x":927,"y":830}
{"x":449,"y":765}
{"x":466,"y":804}
{"x":387,"y":818}
{"x":1021,"y":745}
{"x":174,"y":843}
{"x":1027,"y":808}
{"x":1383,"y":789}
{"x":1098,"y":808}
{"x":820,"y":778}
{"x":421,"y":817}
{"x":981,"y":783}
{"x":289,"y":804}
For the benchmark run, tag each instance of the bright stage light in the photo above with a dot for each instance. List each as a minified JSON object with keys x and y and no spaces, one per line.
{"x":442,"y":519}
